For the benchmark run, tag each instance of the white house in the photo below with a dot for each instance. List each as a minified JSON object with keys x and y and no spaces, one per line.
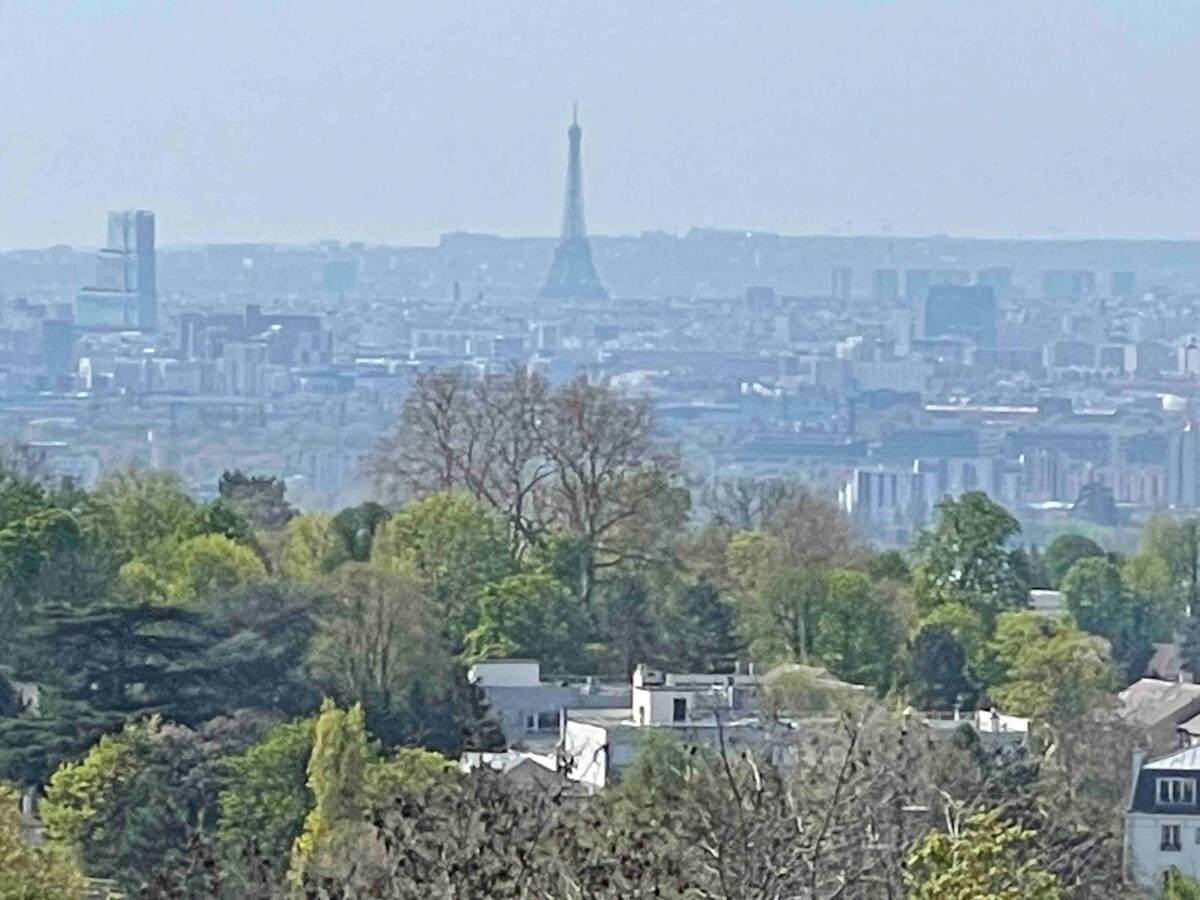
{"x":1162,"y":826}
{"x":703,"y":709}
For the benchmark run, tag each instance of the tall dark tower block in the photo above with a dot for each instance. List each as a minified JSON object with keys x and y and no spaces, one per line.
{"x":572,"y":275}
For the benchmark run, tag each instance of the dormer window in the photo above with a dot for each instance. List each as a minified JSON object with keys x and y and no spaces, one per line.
{"x":1176,"y":791}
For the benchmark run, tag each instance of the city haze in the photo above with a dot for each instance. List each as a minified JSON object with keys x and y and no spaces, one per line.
{"x":302,"y":121}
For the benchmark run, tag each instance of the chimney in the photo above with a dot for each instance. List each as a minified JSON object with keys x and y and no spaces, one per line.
{"x":1135,"y":768}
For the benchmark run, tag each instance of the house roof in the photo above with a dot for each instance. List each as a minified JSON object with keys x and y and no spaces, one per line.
{"x":1187,"y":758}
{"x":1149,"y":701}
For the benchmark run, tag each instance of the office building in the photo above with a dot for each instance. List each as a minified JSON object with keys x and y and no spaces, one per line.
{"x":961,"y":311}
{"x":841,"y":282}
{"x":1123,"y":284}
{"x":124,"y":294}
{"x":916,"y":284}
{"x":885,"y":285}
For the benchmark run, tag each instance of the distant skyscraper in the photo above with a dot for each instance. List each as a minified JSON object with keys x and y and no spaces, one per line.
{"x":573,"y":275}
{"x":885,"y":285}
{"x":841,"y":282}
{"x":953,"y":310}
{"x":1123,"y":283}
{"x":917,"y":283}
{"x":124,"y":295}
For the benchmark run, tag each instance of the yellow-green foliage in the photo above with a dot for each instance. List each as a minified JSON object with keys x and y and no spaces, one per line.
{"x":984,"y":859}
{"x":28,"y":873}
{"x":409,"y":770}
{"x":309,"y":547}
{"x":336,"y":777}
{"x":76,"y":790}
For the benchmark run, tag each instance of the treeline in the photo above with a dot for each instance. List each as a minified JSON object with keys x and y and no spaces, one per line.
{"x":232,"y":689}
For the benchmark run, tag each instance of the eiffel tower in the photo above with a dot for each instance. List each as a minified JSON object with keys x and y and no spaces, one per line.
{"x":572,"y":275}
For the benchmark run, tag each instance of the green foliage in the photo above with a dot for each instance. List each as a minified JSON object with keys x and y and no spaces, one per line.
{"x":528,"y":616}
{"x":266,"y":795}
{"x":131,"y":510}
{"x":454,"y":546}
{"x":213,"y":563}
{"x":858,"y":636}
{"x":311,"y":548}
{"x":780,"y":621}
{"x":1066,"y":550}
{"x":985,"y":859}
{"x":28,"y":873}
{"x":1098,"y":601}
{"x":965,"y":558}
{"x":407,"y":772}
{"x":1177,"y":886}
{"x":1048,"y":669}
{"x":355,"y":528}
{"x":337,"y":766}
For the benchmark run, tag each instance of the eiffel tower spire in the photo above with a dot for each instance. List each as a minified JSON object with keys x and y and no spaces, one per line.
{"x":573,"y":275}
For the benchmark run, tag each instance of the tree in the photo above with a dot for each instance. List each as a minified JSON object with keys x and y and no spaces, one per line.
{"x":939,"y":668}
{"x":355,"y":528}
{"x":1066,"y":550}
{"x":337,"y":767}
{"x":32,"y":873}
{"x":697,"y":627}
{"x":609,"y":478}
{"x":1177,"y":544}
{"x":265,"y":797}
{"x":310,"y":547}
{"x":965,"y":557}
{"x":474,"y":435}
{"x":814,"y":533}
{"x":1049,"y":669}
{"x":531,"y":616}
{"x":131,"y":510}
{"x":1100,"y":605}
{"x":258,"y":498}
{"x":211,"y":564}
{"x":780,"y":622}
{"x":857,"y":636}
{"x":375,"y":639}
{"x":983,"y":857}
{"x":454,"y":546}
{"x":745,"y":504}
{"x":1177,"y":886}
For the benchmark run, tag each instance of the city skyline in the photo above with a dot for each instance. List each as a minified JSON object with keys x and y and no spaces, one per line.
{"x":375,"y":126}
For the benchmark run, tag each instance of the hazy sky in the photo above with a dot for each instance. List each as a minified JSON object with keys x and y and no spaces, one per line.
{"x":394,"y":122}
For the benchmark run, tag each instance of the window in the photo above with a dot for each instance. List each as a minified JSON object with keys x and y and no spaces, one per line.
{"x":1177,"y":791}
{"x":1169,"y":838}
{"x":547,"y":721}
{"x":679,"y":709}
{"x":530,"y":723}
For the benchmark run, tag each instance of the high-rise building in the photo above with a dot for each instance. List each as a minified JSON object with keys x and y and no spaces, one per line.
{"x":885,"y":285}
{"x":1123,"y":284}
{"x":999,"y":279}
{"x":124,"y":295}
{"x":572,"y":274}
{"x":1068,"y":284}
{"x":1183,"y":467}
{"x":916,"y":284}
{"x":956,"y":311}
{"x":841,"y":282}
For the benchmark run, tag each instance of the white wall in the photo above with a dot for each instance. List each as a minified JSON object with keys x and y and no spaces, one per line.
{"x":584,"y":746}
{"x":1142,"y":837}
{"x":506,"y":673}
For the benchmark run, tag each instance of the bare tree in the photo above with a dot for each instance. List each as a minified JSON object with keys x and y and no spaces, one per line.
{"x":610,"y":477}
{"x":749,"y":503}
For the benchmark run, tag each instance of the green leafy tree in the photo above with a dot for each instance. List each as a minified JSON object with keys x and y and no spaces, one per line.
{"x":455,"y":546}
{"x":213,"y":563}
{"x":858,"y":636}
{"x":311,"y":548}
{"x":529,"y":615}
{"x":1150,"y":584}
{"x":966,"y":558}
{"x":1177,"y":886}
{"x":32,"y":873}
{"x":355,"y":527}
{"x":698,"y":627}
{"x":780,"y":622}
{"x":337,"y":766}
{"x":1177,"y":544}
{"x":939,"y":668}
{"x":1099,"y":603}
{"x":985,"y":858}
{"x":1066,"y":550}
{"x":1049,"y":669}
{"x":266,"y":797}
{"x":131,"y":510}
